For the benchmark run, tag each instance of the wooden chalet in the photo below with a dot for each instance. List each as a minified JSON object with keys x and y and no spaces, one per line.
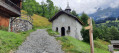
{"x":9,"y":9}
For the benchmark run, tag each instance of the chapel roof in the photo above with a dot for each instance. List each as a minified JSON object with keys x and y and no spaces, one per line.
{"x":64,"y":12}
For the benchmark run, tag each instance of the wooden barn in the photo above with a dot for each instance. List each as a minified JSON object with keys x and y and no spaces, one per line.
{"x":8,"y":10}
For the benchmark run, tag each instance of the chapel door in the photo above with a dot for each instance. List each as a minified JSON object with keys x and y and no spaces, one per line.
{"x":62,"y":31}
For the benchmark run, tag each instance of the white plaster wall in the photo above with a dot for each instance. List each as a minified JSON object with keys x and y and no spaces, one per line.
{"x":78,"y":31}
{"x":65,"y":21}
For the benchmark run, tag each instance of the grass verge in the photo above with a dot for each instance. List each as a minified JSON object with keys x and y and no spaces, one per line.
{"x":10,"y":41}
{"x":72,"y":45}
{"x":52,"y":33}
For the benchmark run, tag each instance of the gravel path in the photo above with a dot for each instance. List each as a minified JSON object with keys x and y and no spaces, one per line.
{"x":40,"y":42}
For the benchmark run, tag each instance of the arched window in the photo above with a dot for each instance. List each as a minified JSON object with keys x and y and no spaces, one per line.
{"x":56,"y":29}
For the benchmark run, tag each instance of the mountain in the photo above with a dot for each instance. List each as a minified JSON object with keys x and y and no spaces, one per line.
{"x":104,"y":13}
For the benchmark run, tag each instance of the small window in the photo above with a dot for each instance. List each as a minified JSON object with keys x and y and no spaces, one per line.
{"x":56,"y":29}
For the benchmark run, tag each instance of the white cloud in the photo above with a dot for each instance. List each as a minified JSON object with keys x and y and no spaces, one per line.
{"x":87,"y":6}
{"x":114,"y":4}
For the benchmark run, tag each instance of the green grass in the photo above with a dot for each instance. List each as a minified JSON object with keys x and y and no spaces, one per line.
{"x":72,"y":45}
{"x":101,"y":44}
{"x":10,"y":41}
{"x":52,"y":33}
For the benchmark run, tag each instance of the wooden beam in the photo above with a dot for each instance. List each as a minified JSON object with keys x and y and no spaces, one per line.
{"x":90,"y":27}
{"x":91,"y":36}
{"x":20,"y":4}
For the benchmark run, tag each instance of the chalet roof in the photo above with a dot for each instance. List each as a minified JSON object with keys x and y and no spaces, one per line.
{"x":63,"y":12}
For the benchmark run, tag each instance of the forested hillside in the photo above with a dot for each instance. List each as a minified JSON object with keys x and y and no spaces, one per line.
{"x":44,"y":9}
{"x":106,"y":19}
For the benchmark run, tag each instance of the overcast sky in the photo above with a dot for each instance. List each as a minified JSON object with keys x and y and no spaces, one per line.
{"x":87,"y":6}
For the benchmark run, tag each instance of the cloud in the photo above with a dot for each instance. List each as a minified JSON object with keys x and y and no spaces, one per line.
{"x":87,"y":6}
{"x":114,"y":4}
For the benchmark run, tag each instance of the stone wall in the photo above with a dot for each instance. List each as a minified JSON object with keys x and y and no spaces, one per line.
{"x":19,"y":25}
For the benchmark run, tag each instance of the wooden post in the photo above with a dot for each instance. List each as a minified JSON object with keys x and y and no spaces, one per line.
{"x":91,"y":36}
{"x":90,"y":27}
{"x":21,"y":4}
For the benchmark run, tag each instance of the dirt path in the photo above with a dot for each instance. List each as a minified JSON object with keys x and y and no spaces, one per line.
{"x":40,"y":42}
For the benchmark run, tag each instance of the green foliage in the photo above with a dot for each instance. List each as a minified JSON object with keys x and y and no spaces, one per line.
{"x":107,"y":33}
{"x":31,"y":6}
{"x":85,"y":35}
{"x":72,"y":45}
{"x":84,"y":18}
{"x":52,"y":33}
{"x":113,"y":31}
{"x":74,"y":13}
{"x":44,"y":9}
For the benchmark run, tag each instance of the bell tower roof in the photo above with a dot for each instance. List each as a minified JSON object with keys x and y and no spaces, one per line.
{"x":68,"y":9}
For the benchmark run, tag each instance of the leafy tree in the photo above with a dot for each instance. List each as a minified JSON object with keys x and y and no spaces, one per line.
{"x":44,"y":9}
{"x":74,"y":13}
{"x":113,"y":31}
{"x":50,"y":8}
{"x":84,"y":18}
{"x":30,"y":6}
